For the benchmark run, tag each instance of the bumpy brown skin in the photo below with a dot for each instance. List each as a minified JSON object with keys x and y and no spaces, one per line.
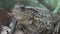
{"x":4,"y":17}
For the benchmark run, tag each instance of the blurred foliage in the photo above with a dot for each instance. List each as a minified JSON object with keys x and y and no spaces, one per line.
{"x":7,"y":4}
{"x":52,"y":5}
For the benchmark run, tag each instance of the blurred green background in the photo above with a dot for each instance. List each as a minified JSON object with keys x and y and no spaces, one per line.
{"x":52,"y":5}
